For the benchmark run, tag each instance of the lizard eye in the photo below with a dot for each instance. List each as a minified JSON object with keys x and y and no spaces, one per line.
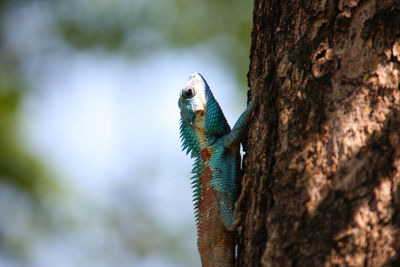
{"x":188,"y":92}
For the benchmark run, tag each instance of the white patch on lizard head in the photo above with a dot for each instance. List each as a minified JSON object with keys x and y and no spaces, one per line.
{"x":199,"y":99}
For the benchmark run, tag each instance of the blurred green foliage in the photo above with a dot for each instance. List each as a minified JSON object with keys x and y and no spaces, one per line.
{"x":22,"y":176}
{"x":17,"y":167}
{"x":141,"y":26}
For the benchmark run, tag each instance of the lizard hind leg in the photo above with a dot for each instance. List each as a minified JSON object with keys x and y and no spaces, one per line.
{"x":229,"y":212}
{"x":231,"y":217}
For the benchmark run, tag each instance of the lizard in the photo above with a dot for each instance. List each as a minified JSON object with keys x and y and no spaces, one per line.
{"x":206,"y":134}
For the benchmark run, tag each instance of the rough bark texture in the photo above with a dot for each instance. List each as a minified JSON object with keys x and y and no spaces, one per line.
{"x":322,"y":169}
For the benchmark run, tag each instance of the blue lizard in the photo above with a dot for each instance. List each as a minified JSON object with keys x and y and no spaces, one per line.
{"x":206,"y":134}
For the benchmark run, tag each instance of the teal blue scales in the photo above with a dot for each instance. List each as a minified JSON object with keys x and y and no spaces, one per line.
{"x":206,"y":134}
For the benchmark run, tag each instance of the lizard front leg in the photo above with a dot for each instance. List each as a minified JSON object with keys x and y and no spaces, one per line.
{"x":232,"y":142}
{"x":236,"y":134}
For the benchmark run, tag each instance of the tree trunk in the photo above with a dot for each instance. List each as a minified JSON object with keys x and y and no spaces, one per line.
{"x":322,"y":169}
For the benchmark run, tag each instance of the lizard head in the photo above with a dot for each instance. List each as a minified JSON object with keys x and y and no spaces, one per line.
{"x":200,"y":113}
{"x":192,"y":100}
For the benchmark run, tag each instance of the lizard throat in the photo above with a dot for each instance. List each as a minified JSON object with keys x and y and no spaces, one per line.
{"x":199,"y":122}
{"x":200,"y":113}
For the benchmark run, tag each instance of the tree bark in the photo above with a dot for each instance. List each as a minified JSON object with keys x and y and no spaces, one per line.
{"x":322,"y":168}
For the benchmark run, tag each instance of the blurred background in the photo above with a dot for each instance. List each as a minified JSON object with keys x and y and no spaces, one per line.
{"x":91,"y":168}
